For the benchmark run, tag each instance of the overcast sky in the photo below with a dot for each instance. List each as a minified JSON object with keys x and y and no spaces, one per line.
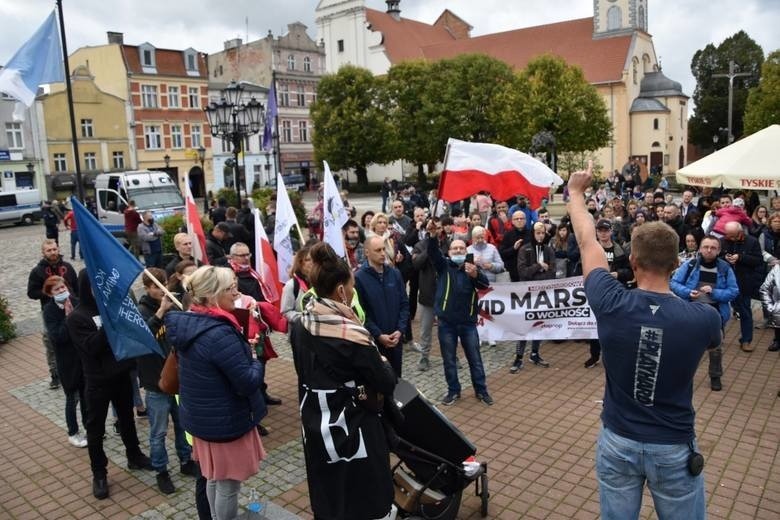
{"x":679,"y":27}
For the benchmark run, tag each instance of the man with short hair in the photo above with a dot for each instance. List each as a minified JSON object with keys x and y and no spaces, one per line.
{"x":499,"y":223}
{"x":51,"y":264}
{"x":132,"y":220}
{"x":512,"y":242}
{"x":398,"y":219}
{"x":382,"y":294}
{"x":356,"y":254}
{"x":456,"y":308}
{"x":743,"y":253}
{"x":215,"y":244}
{"x":674,"y":220}
{"x":530,"y":215}
{"x":238,"y":233}
{"x":183,"y":244}
{"x":687,"y":206}
{"x":648,"y":430}
{"x":708,"y":279}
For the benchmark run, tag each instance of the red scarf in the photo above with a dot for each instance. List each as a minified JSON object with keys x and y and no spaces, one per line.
{"x":216,"y":312}
{"x":259,"y":279}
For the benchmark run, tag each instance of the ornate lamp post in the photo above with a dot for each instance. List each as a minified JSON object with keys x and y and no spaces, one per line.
{"x":267,"y":167}
{"x":167,"y":160}
{"x":202,"y":159}
{"x":234,"y":120}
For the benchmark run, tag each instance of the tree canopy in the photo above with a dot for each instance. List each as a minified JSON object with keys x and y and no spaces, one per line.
{"x":763,"y":104}
{"x":711,"y":94}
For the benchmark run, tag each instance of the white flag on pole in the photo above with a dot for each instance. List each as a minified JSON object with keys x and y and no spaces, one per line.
{"x":333,"y":213}
{"x":285,"y":220}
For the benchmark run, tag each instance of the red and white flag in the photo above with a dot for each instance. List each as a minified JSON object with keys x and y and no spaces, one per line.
{"x":194,"y":227}
{"x":265,"y":263}
{"x":285,"y":221}
{"x":503,"y":172}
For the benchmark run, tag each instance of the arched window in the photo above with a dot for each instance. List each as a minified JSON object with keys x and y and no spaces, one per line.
{"x":635,"y":70}
{"x":682,"y":157}
{"x":614,"y":18}
{"x":307,"y":64}
{"x":655,"y":124}
{"x":646,"y":67}
{"x":656,"y":144}
{"x":642,"y":18}
{"x":291,"y":62}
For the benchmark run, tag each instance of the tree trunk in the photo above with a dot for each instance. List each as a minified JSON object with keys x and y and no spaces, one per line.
{"x":362,"y":175}
{"x":422,"y":180}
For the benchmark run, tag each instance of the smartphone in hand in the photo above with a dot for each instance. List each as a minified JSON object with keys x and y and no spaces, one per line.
{"x":470,"y":258}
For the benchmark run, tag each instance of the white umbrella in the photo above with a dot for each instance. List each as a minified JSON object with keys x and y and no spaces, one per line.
{"x":749,"y":164}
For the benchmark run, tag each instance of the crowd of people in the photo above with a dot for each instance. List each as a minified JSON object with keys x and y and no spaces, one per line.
{"x":349,"y":321}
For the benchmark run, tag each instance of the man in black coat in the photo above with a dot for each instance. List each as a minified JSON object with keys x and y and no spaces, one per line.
{"x":512,"y":242}
{"x":215,"y":244}
{"x":51,"y":264}
{"x":107,"y":382}
{"x":743,"y":253}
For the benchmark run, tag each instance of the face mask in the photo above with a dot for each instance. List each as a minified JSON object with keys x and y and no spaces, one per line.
{"x":458,"y":259}
{"x":61,"y":297}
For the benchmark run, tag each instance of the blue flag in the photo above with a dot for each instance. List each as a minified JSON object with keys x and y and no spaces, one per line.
{"x":270,"y":117}
{"x":112,"y":269}
{"x":37,"y":62}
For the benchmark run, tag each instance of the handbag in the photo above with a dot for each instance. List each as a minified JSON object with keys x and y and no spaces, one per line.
{"x":169,"y":377}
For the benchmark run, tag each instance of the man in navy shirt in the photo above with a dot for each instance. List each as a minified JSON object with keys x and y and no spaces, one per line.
{"x":648,"y":417}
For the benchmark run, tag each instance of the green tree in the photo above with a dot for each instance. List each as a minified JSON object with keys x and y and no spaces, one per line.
{"x":351,"y":127}
{"x":712,"y":93}
{"x":412,"y":111}
{"x":763,"y":103}
{"x":550,"y":95}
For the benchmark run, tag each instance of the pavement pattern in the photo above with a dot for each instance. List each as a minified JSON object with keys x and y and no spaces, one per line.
{"x":538,"y":438}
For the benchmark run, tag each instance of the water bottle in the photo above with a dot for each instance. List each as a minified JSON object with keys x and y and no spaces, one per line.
{"x":255,"y":507}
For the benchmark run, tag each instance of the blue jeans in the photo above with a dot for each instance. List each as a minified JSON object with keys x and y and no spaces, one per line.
{"x":742,"y":305}
{"x":159,"y":406}
{"x":74,"y":240}
{"x":469,"y":339}
{"x":623,"y":466}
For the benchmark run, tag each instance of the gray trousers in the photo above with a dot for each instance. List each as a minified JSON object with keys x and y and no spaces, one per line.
{"x":223,"y":498}
{"x":426,"y":328}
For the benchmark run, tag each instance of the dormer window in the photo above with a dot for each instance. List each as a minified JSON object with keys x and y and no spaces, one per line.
{"x":191,"y":62}
{"x":148,"y":58}
{"x":291,"y":62}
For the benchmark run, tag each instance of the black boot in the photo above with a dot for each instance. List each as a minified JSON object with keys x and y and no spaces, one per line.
{"x":100,"y":487}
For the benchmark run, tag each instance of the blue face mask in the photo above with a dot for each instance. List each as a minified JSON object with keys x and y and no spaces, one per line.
{"x":61,"y":297}
{"x":458,"y":259}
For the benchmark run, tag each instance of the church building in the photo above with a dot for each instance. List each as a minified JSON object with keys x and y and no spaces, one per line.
{"x":649,"y":112}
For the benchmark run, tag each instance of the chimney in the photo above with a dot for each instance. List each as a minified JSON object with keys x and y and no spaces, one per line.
{"x":232,"y":44}
{"x":394,"y":9}
{"x":115,"y":37}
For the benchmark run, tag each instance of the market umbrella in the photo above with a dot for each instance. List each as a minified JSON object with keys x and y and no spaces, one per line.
{"x":748,"y":164}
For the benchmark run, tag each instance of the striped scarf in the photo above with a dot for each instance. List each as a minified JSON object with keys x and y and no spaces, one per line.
{"x":330,"y":319}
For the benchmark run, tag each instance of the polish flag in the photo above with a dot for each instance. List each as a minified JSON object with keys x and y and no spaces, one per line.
{"x":503,"y":172}
{"x":265,"y":263}
{"x":194,"y":227}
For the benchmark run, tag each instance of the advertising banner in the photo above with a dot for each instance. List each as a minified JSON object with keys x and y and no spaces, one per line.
{"x":548,"y":309}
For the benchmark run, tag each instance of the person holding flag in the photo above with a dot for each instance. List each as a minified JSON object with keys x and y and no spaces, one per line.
{"x":334,"y":216}
{"x":285,"y":221}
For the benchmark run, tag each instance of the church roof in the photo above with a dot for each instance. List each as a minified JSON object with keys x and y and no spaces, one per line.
{"x":643,"y":104}
{"x":602,"y":60}
{"x":655,"y":84}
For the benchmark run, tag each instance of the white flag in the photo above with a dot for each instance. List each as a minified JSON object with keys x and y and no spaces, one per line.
{"x":333,"y":213}
{"x":285,"y":220}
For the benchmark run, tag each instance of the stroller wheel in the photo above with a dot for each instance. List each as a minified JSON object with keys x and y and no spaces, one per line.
{"x":447,"y":509}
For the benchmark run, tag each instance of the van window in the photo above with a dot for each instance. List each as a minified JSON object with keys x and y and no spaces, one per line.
{"x":7,"y":201}
{"x":154,"y":198}
{"x":109,"y":200}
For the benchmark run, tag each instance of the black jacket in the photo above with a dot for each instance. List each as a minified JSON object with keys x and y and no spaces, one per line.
{"x":97,"y":359}
{"x":215,"y":250}
{"x":508,"y":251}
{"x":151,"y":365}
{"x":750,"y":269}
{"x":42,"y":271}
{"x":68,"y":361}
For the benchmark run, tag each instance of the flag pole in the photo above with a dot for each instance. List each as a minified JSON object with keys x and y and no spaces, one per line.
{"x":441,"y":179}
{"x":69,"y":89}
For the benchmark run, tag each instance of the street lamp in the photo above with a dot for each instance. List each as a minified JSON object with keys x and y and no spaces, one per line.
{"x":234,"y":120}
{"x":202,"y":160}
{"x":267,"y":167}
{"x":30,"y":167}
{"x":167,"y":159}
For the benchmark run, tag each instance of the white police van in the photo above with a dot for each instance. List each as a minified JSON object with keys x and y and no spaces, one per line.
{"x":20,"y":206}
{"x":153,"y":191}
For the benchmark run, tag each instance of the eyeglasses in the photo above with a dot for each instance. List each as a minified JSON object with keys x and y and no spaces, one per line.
{"x":242,"y":255}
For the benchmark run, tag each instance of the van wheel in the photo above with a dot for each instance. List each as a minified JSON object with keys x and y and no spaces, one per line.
{"x":27,"y":220}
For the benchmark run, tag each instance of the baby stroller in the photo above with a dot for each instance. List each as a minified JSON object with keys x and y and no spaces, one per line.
{"x":430,"y":474}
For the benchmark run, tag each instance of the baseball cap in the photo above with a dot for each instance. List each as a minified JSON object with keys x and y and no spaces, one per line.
{"x":603,"y":224}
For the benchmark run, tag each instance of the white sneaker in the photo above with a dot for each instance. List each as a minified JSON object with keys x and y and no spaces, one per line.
{"x":492,"y":344}
{"x":77,"y":441}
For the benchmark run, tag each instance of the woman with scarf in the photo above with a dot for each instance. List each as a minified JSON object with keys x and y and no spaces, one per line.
{"x":68,"y":362}
{"x":535,"y":261}
{"x":345,"y":448}
{"x":221,"y":400}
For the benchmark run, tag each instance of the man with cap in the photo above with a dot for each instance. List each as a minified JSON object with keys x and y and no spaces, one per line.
{"x":215,"y":244}
{"x":619,"y":268}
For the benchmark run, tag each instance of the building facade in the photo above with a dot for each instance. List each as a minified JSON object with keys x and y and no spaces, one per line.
{"x":649,"y":112}
{"x":294,"y":63}
{"x":101,"y":126}
{"x":165,"y":92}
{"x":20,"y":167}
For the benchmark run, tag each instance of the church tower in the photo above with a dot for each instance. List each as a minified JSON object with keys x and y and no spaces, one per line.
{"x":618,"y":17}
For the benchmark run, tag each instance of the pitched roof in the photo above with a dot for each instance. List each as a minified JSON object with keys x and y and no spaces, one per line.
{"x":169,"y":62}
{"x":404,"y":39}
{"x":602,"y":60}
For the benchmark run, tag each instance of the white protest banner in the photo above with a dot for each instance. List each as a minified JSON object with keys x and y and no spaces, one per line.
{"x":547,"y":309}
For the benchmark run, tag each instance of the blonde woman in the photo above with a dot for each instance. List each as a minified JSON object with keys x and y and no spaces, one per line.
{"x":220,"y":387}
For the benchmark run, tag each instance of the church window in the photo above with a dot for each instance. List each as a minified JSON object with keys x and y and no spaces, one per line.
{"x":655,"y":124}
{"x":642,"y":18}
{"x":635,"y":70}
{"x":614,"y":18}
